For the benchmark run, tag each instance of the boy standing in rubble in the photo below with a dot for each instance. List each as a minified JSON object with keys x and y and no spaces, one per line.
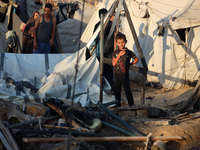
{"x":121,"y":63}
{"x":44,"y":31}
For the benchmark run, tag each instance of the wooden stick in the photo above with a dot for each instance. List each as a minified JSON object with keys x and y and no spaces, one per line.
{"x":74,"y":124}
{"x":102,"y":139}
{"x":66,"y":128}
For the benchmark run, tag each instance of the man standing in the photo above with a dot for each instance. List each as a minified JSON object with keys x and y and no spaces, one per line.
{"x":44,"y":31}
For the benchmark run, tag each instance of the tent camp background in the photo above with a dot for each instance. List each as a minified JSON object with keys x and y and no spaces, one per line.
{"x":160,"y":26}
{"x":168,"y":33}
{"x":68,"y":30}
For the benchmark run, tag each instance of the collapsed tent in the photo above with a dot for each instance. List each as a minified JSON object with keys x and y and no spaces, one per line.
{"x":168,"y":34}
{"x":53,"y":75}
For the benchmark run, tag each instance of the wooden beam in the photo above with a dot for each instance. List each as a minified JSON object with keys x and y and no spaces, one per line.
{"x":67,"y":128}
{"x":103,"y":139}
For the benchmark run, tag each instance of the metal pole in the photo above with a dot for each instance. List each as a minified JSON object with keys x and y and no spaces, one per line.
{"x":129,"y":127}
{"x":111,"y":103}
{"x":117,"y":128}
{"x":27,"y":123}
{"x":101,"y":59}
{"x":57,"y":131}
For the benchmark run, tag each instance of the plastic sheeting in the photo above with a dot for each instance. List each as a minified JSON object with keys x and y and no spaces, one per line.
{"x":69,"y":33}
{"x":53,"y":75}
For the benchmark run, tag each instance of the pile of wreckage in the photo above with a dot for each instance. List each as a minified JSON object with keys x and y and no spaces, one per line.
{"x":54,"y":124}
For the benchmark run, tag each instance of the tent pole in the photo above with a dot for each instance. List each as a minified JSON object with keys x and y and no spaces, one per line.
{"x":138,"y":49}
{"x":101,"y":59}
{"x":135,"y":36}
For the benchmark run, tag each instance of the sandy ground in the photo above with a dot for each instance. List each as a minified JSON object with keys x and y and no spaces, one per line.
{"x":159,"y":98}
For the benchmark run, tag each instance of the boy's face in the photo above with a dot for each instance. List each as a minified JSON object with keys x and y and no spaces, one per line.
{"x":121,"y":43}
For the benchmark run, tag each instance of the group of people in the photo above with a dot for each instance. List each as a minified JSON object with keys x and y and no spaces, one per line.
{"x":39,"y":32}
{"x":38,"y":37}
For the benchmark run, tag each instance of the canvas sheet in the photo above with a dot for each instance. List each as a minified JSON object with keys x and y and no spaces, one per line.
{"x":165,"y":55}
{"x":69,"y":33}
{"x":53,"y":75}
{"x":179,"y":14}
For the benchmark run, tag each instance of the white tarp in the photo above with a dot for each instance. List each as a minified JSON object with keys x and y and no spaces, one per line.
{"x":170,"y":61}
{"x":69,"y":33}
{"x":53,"y":75}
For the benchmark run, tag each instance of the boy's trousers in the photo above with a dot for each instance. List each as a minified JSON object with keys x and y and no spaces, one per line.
{"x":120,"y":80}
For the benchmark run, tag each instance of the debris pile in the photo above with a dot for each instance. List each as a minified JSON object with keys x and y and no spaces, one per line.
{"x":59,"y":125}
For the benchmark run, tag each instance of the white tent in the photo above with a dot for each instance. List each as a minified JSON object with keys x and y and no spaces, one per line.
{"x":172,"y":59}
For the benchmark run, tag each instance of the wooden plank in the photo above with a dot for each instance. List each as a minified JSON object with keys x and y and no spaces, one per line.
{"x":103,"y":139}
{"x":67,"y":128}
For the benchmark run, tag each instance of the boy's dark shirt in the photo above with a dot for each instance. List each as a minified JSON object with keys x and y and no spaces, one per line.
{"x":122,"y":66}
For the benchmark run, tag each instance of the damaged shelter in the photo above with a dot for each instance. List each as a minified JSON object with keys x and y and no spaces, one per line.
{"x":53,"y":99}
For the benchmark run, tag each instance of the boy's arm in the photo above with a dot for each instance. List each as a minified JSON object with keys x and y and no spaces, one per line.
{"x":115,"y":60}
{"x":135,"y":61}
{"x":51,"y":42}
{"x":35,"y":45}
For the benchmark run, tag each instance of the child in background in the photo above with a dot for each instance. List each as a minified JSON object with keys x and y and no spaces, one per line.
{"x":121,"y":63}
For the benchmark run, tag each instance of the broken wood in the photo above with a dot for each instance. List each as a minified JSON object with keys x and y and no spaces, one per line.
{"x":103,"y":139}
{"x":74,"y":124}
{"x":67,"y":128}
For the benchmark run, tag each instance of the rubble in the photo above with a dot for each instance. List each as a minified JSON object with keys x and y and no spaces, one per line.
{"x":38,"y":124}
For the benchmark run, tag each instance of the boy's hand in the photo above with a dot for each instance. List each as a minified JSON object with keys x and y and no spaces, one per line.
{"x":135,"y":61}
{"x":121,"y":53}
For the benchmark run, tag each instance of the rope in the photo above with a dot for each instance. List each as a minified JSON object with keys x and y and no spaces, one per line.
{"x":76,"y":72}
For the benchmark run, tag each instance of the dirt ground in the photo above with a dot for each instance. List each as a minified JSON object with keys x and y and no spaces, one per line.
{"x":159,"y":98}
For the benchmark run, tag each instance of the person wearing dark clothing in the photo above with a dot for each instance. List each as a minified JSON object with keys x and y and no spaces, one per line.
{"x":27,"y":38}
{"x":108,"y":50}
{"x":121,"y":64}
{"x":44,"y":31}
